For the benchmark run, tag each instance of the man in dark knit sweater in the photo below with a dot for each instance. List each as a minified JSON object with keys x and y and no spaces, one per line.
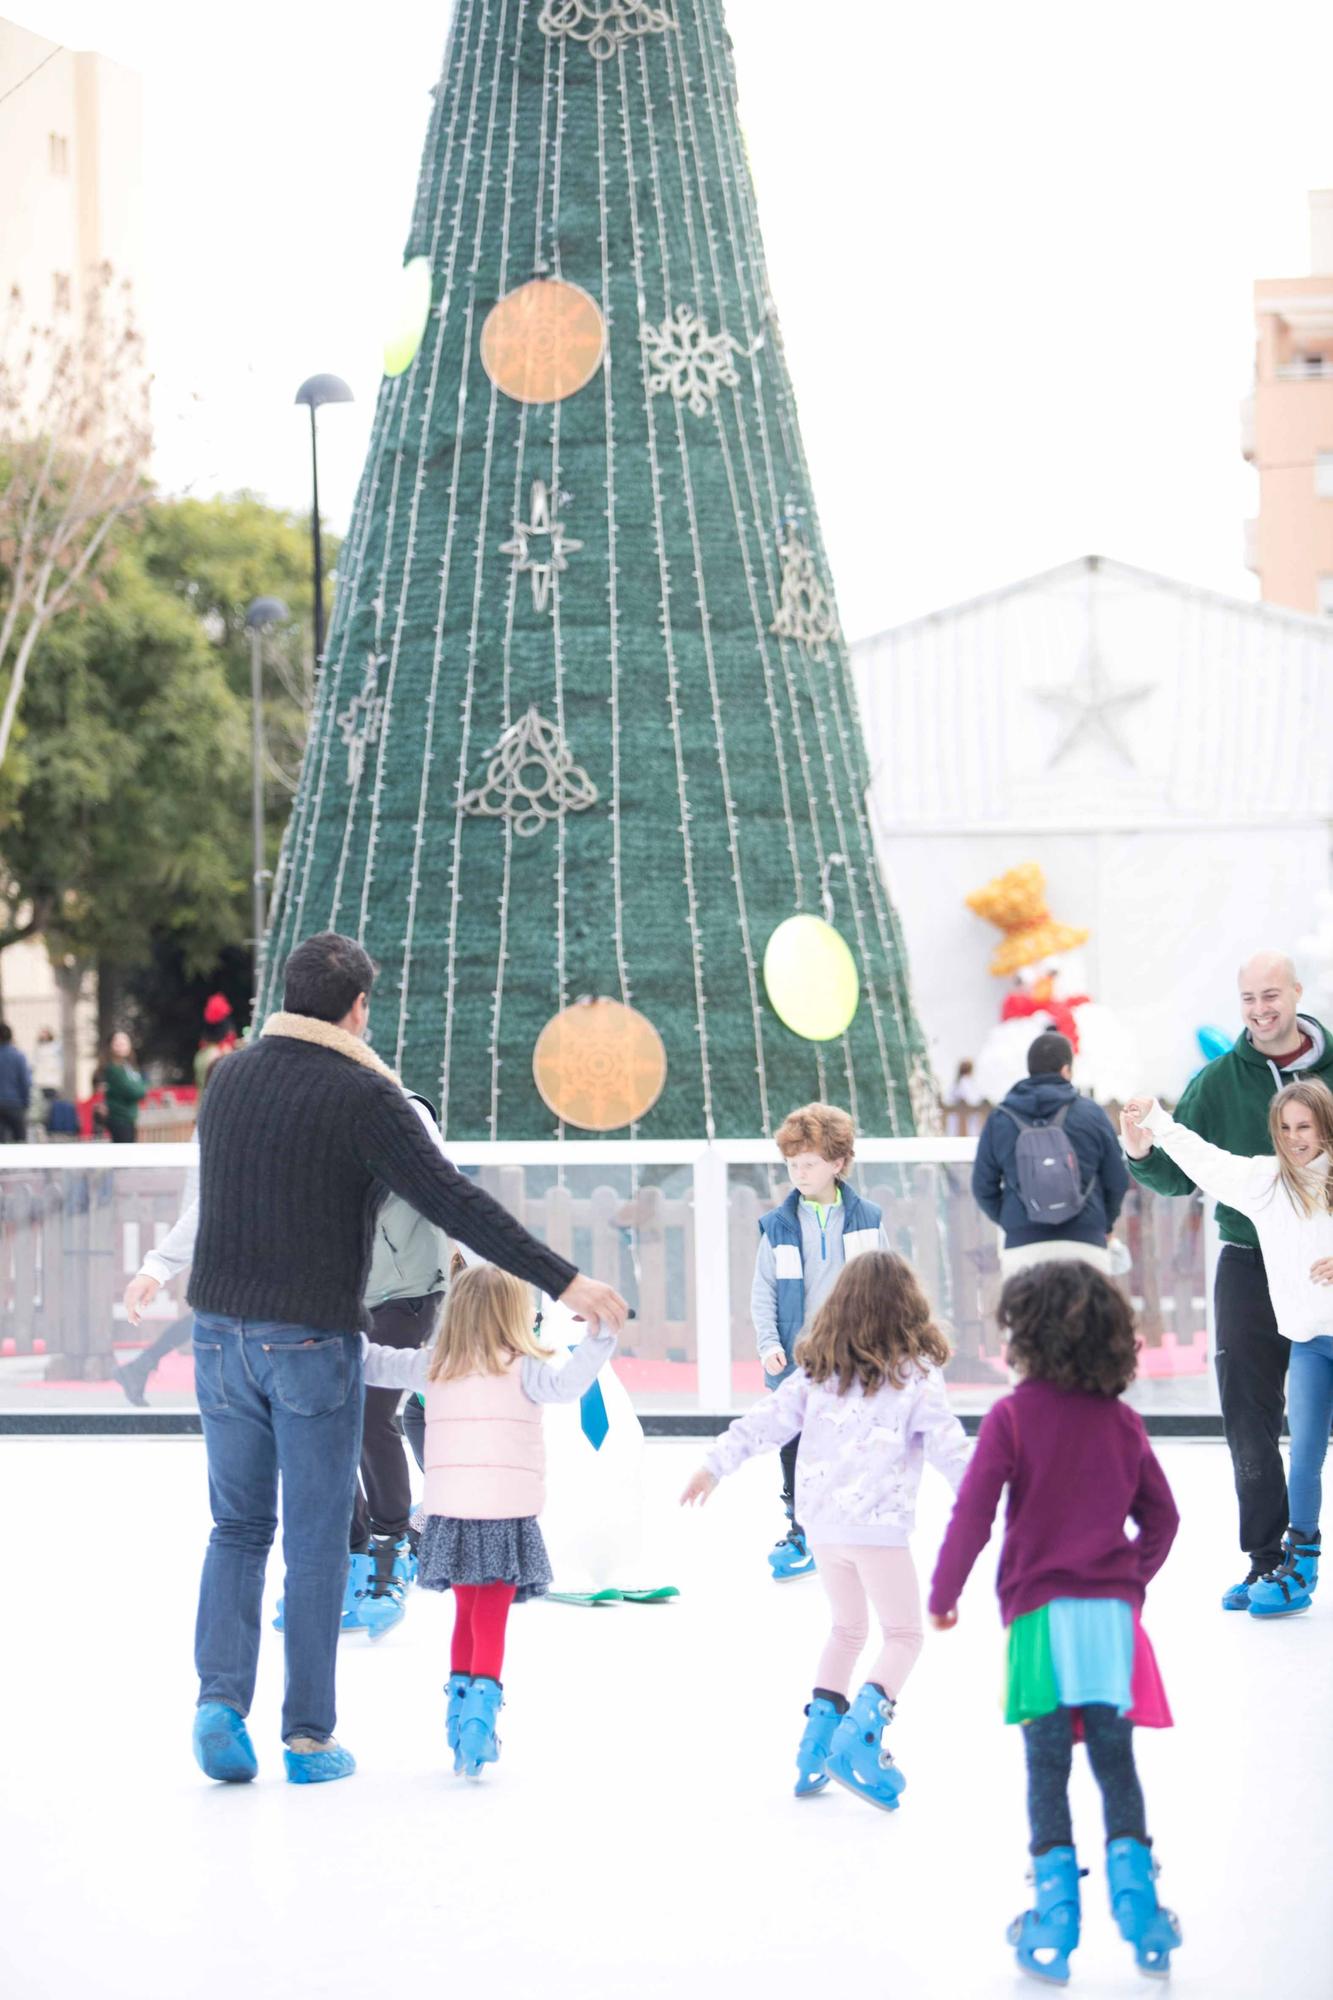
{"x":299,"y":1135}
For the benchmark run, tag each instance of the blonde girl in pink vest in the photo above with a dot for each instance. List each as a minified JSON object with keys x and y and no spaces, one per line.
{"x":484,"y":1379}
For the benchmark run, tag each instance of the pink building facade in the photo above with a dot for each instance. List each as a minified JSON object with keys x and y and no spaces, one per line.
{"x":1287,"y":428}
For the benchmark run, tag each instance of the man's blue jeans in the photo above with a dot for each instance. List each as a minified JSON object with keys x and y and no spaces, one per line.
{"x":276,"y":1400}
{"x":1309,"y":1413}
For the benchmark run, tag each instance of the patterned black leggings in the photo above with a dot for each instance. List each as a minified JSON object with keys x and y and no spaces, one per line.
{"x":1049,"y":1743}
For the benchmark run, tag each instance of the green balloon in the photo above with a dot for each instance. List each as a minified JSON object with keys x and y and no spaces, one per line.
{"x":410,"y":316}
{"x":811,"y":978}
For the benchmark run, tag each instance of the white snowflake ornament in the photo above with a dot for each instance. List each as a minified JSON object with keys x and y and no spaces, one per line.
{"x":688,"y":361}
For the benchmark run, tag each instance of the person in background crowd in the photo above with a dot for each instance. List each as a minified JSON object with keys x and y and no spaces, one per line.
{"x":15,"y":1089}
{"x":125,"y":1089}
{"x":218,"y":1039}
{"x":49,"y":1065}
{"x":1068,"y":1207}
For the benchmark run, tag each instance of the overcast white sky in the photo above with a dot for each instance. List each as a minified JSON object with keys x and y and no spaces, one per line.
{"x":1012,"y":248}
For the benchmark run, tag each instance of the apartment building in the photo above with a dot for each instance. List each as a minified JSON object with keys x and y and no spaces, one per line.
{"x":1287,"y":428}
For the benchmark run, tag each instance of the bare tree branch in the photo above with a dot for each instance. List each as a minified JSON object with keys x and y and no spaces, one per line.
{"x":74,"y":446}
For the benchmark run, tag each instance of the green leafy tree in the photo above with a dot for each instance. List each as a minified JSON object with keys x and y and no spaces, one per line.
{"x":216,"y":557}
{"x":129,"y":783}
{"x":125,"y":809}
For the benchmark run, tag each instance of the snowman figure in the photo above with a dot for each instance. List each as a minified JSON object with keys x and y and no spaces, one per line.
{"x":1048,"y":991}
{"x":593,"y":1518}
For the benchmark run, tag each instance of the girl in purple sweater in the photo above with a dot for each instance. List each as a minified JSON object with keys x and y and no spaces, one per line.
{"x":869,"y":1406}
{"x":1077,"y":1464}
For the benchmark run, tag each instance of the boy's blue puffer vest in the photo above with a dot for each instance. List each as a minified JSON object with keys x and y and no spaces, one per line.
{"x":782,"y":1227}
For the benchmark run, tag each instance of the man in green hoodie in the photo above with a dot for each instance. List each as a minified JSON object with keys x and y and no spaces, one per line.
{"x":1227,"y":1103}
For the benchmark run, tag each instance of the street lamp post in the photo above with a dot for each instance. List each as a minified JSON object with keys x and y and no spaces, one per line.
{"x":319,"y":389}
{"x":265,"y":611}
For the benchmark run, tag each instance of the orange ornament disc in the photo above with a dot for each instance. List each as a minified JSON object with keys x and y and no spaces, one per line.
{"x":599,"y":1065}
{"x":543,"y":342}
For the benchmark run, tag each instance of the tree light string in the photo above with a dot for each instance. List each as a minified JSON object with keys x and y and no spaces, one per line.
{"x":701,"y":591}
{"x":480,"y":553}
{"x":835,"y":679}
{"x":673,"y":682}
{"x":440,"y":633}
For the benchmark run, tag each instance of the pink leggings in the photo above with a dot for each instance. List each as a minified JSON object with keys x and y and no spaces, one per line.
{"x":888,"y":1578}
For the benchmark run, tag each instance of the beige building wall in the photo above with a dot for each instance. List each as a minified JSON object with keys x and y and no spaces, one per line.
{"x":71,"y":168}
{"x":71,"y":181}
{"x":1287,"y":428}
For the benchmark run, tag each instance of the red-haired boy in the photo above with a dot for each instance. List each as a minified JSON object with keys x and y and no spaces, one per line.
{"x":803,"y":1244}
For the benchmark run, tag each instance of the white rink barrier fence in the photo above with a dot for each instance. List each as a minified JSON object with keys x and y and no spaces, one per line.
{"x":672,"y":1224}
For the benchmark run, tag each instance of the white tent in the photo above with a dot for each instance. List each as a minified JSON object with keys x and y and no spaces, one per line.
{"x":1163,"y":752}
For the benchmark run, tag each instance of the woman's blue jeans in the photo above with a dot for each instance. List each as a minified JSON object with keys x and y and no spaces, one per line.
{"x":277,"y":1400}
{"x":1309,"y":1414}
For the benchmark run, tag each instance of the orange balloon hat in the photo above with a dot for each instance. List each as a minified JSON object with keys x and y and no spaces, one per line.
{"x":1016,"y":904}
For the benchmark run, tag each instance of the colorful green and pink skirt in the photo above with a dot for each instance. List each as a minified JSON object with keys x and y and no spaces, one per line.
{"x":1077,"y":1650}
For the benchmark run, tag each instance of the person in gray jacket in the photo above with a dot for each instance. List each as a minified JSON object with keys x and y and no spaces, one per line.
{"x":408,"y":1278}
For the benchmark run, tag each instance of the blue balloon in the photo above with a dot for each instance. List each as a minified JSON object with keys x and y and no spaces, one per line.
{"x":1213,"y":1042}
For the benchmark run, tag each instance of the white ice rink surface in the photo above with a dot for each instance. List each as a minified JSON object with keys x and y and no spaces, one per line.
{"x":639,"y":1837}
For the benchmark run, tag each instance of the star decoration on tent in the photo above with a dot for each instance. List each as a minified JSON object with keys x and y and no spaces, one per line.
{"x":1089,"y":707}
{"x":531,"y":777}
{"x":806,"y":612}
{"x":540,"y":546}
{"x":361,"y":721}
{"x":604,"y":28}
{"x":689,"y":360}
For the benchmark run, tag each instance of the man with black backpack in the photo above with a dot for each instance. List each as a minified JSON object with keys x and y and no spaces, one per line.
{"x":1049,"y":1169}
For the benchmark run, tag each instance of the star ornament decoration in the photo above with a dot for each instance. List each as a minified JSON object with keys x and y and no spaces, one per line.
{"x":1090,"y":707}
{"x":540,"y":546}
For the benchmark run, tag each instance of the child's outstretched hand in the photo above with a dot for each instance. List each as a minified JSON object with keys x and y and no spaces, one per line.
{"x":699,"y":1488}
{"x":1321,"y":1271}
{"x":944,"y":1621}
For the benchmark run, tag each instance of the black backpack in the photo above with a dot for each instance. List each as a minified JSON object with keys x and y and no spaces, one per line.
{"x":1046,"y":1168}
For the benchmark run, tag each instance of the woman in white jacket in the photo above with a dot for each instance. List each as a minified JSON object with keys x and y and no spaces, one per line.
{"x":1288,"y":1195}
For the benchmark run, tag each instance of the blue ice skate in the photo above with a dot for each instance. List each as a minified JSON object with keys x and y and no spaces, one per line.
{"x":319,"y":1765}
{"x":477,"y":1740}
{"x":222,"y":1746}
{"x":1291,"y":1585}
{"x":355,"y":1578}
{"x":1044,"y":1937}
{"x":812,"y":1756}
{"x":358,"y":1580}
{"x":858,"y":1758}
{"x":457,"y":1686}
{"x":1238,"y":1597}
{"x":791,"y":1557}
{"x":376,"y":1591}
{"x":1131,"y":1875}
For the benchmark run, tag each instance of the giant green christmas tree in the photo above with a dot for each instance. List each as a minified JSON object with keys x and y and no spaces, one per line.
{"x":585,"y":724}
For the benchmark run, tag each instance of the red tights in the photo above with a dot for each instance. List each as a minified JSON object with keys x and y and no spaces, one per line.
{"x":481,"y":1611}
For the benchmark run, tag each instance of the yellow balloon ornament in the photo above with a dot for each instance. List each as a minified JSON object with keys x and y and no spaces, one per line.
{"x":811,"y":978}
{"x":411,"y":312}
